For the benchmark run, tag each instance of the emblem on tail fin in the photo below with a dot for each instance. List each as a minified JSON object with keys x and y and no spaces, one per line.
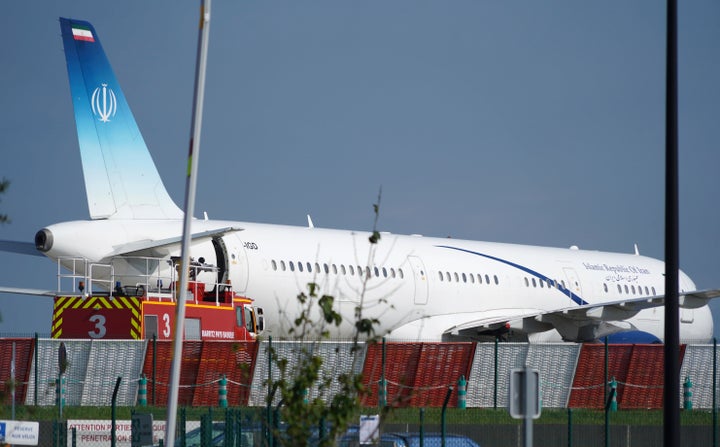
{"x":104,"y":103}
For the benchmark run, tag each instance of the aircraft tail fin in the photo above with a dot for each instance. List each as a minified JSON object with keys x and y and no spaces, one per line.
{"x":121,"y":180}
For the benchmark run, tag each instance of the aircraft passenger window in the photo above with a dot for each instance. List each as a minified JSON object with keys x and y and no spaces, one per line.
{"x":605,"y":287}
{"x":619,"y":288}
{"x":457,"y":278}
{"x":360,"y":271}
{"x":647,"y":292}
{"x":563,"y":284}
{"x":292,"y":266}
{"x":342,"y":269}
{"x":326,"y":268}
{"x":653,"y":291}
{"x":633,"y":289}
{"x":401,"y":274}
{"x":626,"y":289}
{"x":334,"y":268}
{"x":282,"y":265}
{"x":384,"y":272}
{"x":480,"y":278}
{"x":300,"y":267}
{"x":472,"y":278}
{"x":367,"y":272}
{"x":392,"y":272}
{"x":352,"y":270}
{"x":317,"y":267}
{"x":497,"y":282}
{"x":464,"y":277}
{"x":309,"y":267}
{"x":533,"y":283}
{"x":447,"y":276}
{"x":274,"y":264}
{"x":527,"y":283}
{"x":542,"y":283}
{"x":487,"y":279}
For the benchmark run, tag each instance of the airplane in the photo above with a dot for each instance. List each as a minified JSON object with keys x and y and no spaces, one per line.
{"x":418,"y":288}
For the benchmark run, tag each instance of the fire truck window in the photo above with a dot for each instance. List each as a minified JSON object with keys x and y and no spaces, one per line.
{"x":192,"y":329}
{"x":249,"y":320}
{"x":238,"y":316}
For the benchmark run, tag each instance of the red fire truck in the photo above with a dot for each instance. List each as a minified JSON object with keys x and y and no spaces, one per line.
{"x":136,"y":298}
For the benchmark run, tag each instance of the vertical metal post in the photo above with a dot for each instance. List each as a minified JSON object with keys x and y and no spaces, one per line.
{"x":35,"y":353}
{"x":269,"y":415}
{"x":605,"y":388}
{"x":382,"y":386}
{"x":154,"y":371}
{"x":714,"y":394}
{"x":570,"y":427}
{"x":442,"y":415}
{"x":671,"y":398}
{"x":12,"y":380}
{"x":422,"y":426}
{"x":113,"y":429}
{"x":238,"y":428}
{"x":495,"y":377}
{"x":190,"y":188}
{"x":527,"y":420}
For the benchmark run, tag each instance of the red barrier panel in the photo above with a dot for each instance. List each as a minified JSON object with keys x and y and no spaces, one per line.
{"x":235,"y":359}
{"x":188,"y":371}
{"x":588,"y":389}
{"x":644,"y":383}
{"x":23,"y":362}
{"x":418,"y":374}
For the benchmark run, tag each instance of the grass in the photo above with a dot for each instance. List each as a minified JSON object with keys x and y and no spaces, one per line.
{"x":411,"y":416}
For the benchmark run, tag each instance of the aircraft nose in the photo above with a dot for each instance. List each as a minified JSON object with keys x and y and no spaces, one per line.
{"x":44,"y":240}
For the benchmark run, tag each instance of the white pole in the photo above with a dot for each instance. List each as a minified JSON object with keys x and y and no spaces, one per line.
{"x":194,"y":155}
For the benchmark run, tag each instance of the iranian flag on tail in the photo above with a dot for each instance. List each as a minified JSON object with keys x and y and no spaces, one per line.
{"x":82,"y":33}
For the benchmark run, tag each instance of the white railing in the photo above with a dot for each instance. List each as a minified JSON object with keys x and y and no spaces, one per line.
{"x":154,"y":278}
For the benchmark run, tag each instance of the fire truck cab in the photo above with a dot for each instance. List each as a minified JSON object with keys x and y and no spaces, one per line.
{"x":137,"y":297}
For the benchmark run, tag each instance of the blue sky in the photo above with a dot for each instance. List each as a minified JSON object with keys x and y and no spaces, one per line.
{"x":520,"y":121}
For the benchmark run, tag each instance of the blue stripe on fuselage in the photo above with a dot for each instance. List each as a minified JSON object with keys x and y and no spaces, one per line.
{"x":565,"y":291}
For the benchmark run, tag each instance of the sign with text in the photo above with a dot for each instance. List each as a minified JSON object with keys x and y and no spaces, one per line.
{"x":97,"y":432}
{"x":19,"y":432}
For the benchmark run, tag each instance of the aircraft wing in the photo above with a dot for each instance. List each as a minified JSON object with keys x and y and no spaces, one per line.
{"x":164,"y":244}
{"x":23,"y":248}
{"x":580,"y":323}
{"x":23,"y":291}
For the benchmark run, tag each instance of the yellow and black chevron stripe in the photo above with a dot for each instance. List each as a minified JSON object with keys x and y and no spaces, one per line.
{"x":63,"y":303}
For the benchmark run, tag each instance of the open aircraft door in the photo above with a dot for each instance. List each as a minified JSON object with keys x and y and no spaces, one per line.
{"x":237,"y":263}
{"x":421,"y":281}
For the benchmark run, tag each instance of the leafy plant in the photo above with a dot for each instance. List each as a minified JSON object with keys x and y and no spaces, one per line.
{"x":335,"y":398}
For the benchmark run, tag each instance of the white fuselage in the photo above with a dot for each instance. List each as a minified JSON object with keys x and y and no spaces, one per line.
{"x":419,"y":288}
